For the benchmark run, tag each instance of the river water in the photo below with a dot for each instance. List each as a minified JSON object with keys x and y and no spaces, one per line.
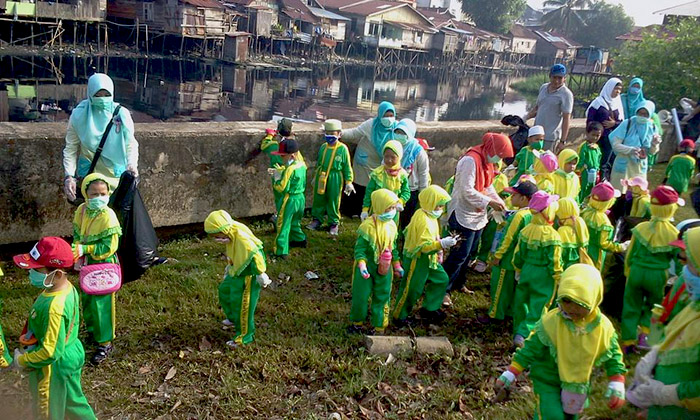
{"x":44,"y":89}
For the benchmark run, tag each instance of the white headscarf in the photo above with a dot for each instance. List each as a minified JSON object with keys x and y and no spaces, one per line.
{"x":607,"y":101}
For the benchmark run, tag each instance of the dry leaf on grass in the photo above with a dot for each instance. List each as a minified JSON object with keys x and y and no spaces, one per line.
{"x":204,"y":344}
{"x":171,"y":373}
{"x":177,"y":404}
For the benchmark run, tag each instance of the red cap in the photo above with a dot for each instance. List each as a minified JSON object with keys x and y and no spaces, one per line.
{"x":603,"y":191}
{"x":678,"y":243}
{"x":663,"y":195}
{"x":687,"y":143}
{"x":51,"y":252}
{"x":424,"y":144}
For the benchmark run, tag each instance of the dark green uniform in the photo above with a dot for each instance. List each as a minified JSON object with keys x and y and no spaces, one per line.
{"x":679,"y":172}
{"x":525,"y":159}
{"x":269,"y":145}
{"x":291,"y":210}
{"x":589,"y":156}
{"x":333,"y":171}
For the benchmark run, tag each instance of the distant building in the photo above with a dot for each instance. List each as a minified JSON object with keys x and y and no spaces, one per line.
{"x":531,"y":17}
{"x":684,"y":11}
{"x":554,"y":48}
{"x":638,"y":33}
{"x":453,"y":6}
{"x":40,"y":10}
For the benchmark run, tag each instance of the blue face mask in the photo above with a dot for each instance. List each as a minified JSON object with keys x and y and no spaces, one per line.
{"x":388,"y":121}
{"x":98,"y":203}
{"x":385,"y":217}
{"x":401,"y":138}
{"x":634,"y":90}
{"x":102,"y":103}
{"x":642,"y":120}
{"x":38,"y":279}
{"x":436,"y":213}
{"x":692,"y":284}
{"x":331,"y":139}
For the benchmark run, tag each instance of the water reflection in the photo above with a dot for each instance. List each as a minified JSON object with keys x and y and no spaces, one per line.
{"x":47,"y":88}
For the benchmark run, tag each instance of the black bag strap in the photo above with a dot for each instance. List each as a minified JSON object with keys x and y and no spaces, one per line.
{"x":98,"y":152}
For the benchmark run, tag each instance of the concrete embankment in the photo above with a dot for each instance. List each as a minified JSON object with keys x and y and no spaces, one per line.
{"x":187,"y":170}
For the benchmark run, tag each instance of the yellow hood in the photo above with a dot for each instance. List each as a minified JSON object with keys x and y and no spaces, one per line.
{"x":243,"y":246}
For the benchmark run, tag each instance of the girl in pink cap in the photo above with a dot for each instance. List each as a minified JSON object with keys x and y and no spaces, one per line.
{"x":637,"y":196}
{"x":538,"y":259}
{"x":545,"y":166}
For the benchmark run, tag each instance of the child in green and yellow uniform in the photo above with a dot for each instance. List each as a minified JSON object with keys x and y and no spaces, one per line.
{"x":5,"y":358}
{"x":376,"y":262}
{"x":544,"y":167}
{"x":589,"y":156}
{"x":290,"y":181}
{"x":55,"y":363}
{"x":564,"y":348}
{"x":503,"y":273}
{"x":667,"y":379}
{"x":333,"y":177}
{"x":537,"y":257}
{"x":525,"y":159}
{"x":566,"y":182}
{"x":96,"y":234}
{"x":269,"y":145}
{"x":390,"y":176}
{"x":500,"y":183}
{"x":646,"y":262}
{"x":244,"y":274}
{"x":600,"y":230}
{"x":638,"y":194}
{"x":678,"y":297}
{"x":681,"y":167}
{"x":423,"y":257}
{"x":573,"y":232}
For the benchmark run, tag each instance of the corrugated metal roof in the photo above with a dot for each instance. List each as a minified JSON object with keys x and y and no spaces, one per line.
{"x":297,"y":10}
{"x":371,"y":7}
{"x":326,"y":14}
{"x":691,"y":8}
{"x":557,"y":40}
{"x":412,"y":26}
{"x":519,"y":31}
{"x":209,"y":4}
{"x":336,"y":4}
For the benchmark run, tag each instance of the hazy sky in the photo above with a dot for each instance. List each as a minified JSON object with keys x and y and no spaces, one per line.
{"x":640,"y":10}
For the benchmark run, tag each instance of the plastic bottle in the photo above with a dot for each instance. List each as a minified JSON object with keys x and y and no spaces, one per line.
{"x":656,"y":331}
{"x":384,"y":263}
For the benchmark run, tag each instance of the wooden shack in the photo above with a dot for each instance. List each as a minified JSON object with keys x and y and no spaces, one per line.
{"x":236,"y":47}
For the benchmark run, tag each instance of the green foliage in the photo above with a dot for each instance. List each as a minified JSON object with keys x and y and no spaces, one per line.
{"x":601,"y":25}
{"x":566,"y":16}
{"x":494,"y":15}
{"x":668,"y":66}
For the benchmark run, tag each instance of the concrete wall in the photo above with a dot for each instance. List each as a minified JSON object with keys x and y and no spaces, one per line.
{"x":187,"y":170}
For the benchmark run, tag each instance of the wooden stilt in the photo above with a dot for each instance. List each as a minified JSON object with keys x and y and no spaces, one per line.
{"x":138,"y":29}
{"x":85,"y":34}
{"x":75,"y":33}
{"x":99,"y":38}
{"x":147,"y":41}
{"x":182,"y":44}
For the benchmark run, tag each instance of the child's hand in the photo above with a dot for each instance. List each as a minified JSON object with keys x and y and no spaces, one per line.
{"x":399,"y":207}
{"x":77,"y":251}
{"x":448,"y":242}
{"x":362,"y":266}
{"x":364,"y":215}
{"x":349,"y":189}
{"x":495,"y":262}
{"x":616,"y":392}
{"x":263,"y":279}
{"x":398,"y":270}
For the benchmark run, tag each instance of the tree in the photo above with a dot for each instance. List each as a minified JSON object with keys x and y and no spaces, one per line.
{"x":494,"y":15}
{"x":566,"y":16}
{"x":668,"y":65}
{"x":601,"y":25}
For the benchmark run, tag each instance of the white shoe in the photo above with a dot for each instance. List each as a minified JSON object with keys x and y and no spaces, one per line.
{"x":447,"y":301}
{"x":518,"y":341}
{"x":334,"y":230}
{"x":232,"y":344}
{"x":227,"y":323}
{"x":480,"y":267}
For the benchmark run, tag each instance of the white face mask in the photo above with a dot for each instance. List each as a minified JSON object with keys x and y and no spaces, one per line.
{"x":436,"y":213}
{"x":494,"y":159}
{"x":388,"y":121}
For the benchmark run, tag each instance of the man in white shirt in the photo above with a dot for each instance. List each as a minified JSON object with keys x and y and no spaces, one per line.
{"x":555,"y":102}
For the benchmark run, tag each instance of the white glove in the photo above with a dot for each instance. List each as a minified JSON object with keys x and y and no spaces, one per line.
{"x":15,"y":362}
{"x":625,"y":246}
{"x":364,"y":215}
{"x":656,"y":139}
{"x":226,"y":271}
{"x":642,"y":372}
{"x":517,"y":276}
{"x":275,"y":174}
{"x":655,"y":392}
{"x":399,"y":207}
{"x":263,"y":280}
{"x":69,"y":186}
{"x":349,"y":189}
{"x":133,"y":170}
{"x":448,"y":242}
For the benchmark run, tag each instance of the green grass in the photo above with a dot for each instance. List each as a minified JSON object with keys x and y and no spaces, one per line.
{"x":531,"y":84}
{"x":302,"y":365}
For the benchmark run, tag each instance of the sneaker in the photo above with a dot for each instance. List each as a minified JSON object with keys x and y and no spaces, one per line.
{"x":354,"y":329}
{"x":314,"y":225}
{"x":297,"y":244}
{"x":484,"y":319}
{"x":227,"y":323}
{"x":518,"y":341}
{"x":480,"y":266}
{"x":432,"y":317}
{"x":333,"y":230}
{"x":642,"y":342}
{"x":447,"y":301}
{"x":232,"y":344}
{"x":101,"y":354}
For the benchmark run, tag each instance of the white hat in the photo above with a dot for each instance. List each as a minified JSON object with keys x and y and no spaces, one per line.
{"x":333,"y":125}
{"x":535,"y":130}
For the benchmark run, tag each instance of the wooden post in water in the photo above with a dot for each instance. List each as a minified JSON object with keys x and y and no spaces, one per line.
{"x":98,"y":38}
{"x":146,"y":39}
{"x":106,"y":40}
{"x":138,"y":28}
{"x":182,"y":43}
{"x":75,"y":33}
{"x":85,"y":34}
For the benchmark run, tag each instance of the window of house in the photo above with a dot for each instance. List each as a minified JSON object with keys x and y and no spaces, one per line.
{"x":418,"y":36}
{"x":373,"y":29}
{"x":147,"y":11}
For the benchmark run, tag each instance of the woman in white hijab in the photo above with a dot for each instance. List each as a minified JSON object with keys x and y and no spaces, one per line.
{"x":607,"y":109}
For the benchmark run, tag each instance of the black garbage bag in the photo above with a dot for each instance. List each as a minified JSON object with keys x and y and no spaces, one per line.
{"x":138,"y":246}
{"x":518,"y":138}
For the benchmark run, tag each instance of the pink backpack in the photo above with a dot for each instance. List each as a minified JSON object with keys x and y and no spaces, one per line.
{"x":100,"y":279}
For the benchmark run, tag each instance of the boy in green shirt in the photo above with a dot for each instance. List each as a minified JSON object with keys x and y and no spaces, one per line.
{"x":589,"y":156}
{"x":333,"y":177}
{"x":681,"y":167}
{"x":525,"y":158}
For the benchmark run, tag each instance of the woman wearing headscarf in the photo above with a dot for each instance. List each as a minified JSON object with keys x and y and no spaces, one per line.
{"x":666,"y":379}
{"x":370,"y":136}
{"x":607,"y":109}
{"x":632,"y":99}
{"x":633,"y":141}
{"x":86,"y":126}
{"x":473,"y":193}
{"x":415,"y":162}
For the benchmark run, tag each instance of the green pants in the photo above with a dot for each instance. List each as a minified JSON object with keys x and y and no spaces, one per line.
{"x":56,"y":391}
{"x":289,"y":223}
{"x":644,"y":288}
{"x":99,"y":313}
{"x":651,"y":160}
{"x":377,"y":290}
{"x":598,"y":256}
{"x":502,"y":291}
{"x":418,"y":278}
{"x":238,"y":297}
{"x":533,"y":295}
{"x":328,"y":203}
{"x":278,"y":196}
{"x":586,"y":187}
{"x":487,"y":236}
{"x":548,"y":402}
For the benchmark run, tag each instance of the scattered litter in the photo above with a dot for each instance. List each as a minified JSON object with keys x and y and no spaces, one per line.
{"x":281,"y":276}
{"x":389,"y":360}
{"x":310,"y":275}
{"x":171,"y":373}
